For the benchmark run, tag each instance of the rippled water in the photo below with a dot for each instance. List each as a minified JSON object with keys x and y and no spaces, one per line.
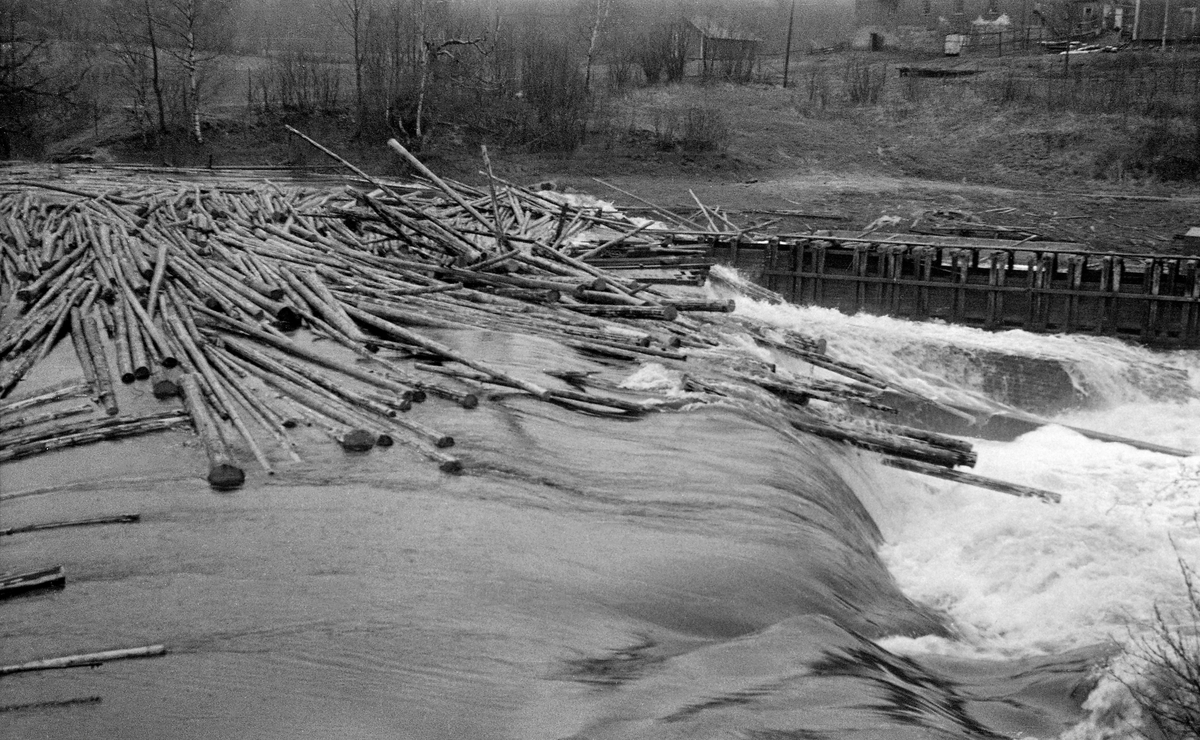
{"x":692,"y":574}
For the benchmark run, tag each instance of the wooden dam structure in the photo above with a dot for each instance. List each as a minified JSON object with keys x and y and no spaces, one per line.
{"x":990,"y":283}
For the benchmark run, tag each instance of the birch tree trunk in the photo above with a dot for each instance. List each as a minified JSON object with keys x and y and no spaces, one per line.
{"x":601,"y":14}
{"x":191,"y":65}
{"x":156,"y":76}
{"x":423,"y":60}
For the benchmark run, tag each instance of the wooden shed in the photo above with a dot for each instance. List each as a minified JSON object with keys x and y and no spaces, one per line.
{"x":722,"y":51}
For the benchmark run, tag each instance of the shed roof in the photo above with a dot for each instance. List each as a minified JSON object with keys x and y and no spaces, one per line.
{"x":714,"y":30}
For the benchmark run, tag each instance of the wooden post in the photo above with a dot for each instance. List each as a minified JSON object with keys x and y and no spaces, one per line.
{"x":1188,"y":319}
{"x":1106,"y":301}
{"x":1075,"y":264}
{"x":1117,"y":276}
{"x":771,"y":273}
{"x":1151,"y":285}
{"x":859,"y":268}
{"x":1046,"y":274}
{"x":961,"y":260}
{"x":897,"y":256}
{"x":997,"y":262}
{"x":1032,"y":265}
{"x":924,"y":258}
{"x":787,"y":52}
{"x":819,"y":250}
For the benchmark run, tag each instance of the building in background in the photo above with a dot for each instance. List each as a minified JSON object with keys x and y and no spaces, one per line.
{"x":925,"y":24}
{"x":721,"y":51}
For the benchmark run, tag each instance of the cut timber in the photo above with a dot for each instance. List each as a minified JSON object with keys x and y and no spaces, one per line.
{"x":84,"y":659}
{"x":23,"y":583}
{"x":118,"y":519}
{"x":223,"y":473}
{"x":662,"y":313}
{"x":39,"y":705}
{"x":887,"y":444}
{"x":67,"y":389}
{"x":107,"y":428}
{"x":971,"y":479}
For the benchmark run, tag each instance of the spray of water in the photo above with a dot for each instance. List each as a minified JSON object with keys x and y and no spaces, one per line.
{"x":1018,"y":577}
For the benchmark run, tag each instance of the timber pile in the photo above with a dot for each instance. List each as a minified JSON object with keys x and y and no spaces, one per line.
{"x":211,"y":291}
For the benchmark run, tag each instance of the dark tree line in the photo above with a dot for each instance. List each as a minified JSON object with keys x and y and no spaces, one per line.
{"x":526,"y":72}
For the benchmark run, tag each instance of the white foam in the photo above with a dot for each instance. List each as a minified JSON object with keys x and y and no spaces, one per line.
{"x":655,"y":377}
{"x":1016,"y":576}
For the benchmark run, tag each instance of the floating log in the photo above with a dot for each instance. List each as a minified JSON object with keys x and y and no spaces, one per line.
{"x":137,"y":345}
{"x":1013,"y":489}
{"x":553,"y":395}
{"x":8,"y":423}
{"x":84,"y":659}
{"x":99,"y":358}
{"x":662,"y":313}
{"x":87,"y":432}
{"x":118,"y":519}
{"x":125,"y":361}
{"x":156,"y":278}
{"x":354,"y":437}
{"x":296,"y":350}
{"x":889,"y":445}
{"x":189,"y":274}
{"x":726,"y":306}
{"x":65,"y":390}
{"x":216,"y":385}
{"x":37,"y":580}
{"x":54,"y":704}
{"x":224,"y":474}
{"x":437,"y":348}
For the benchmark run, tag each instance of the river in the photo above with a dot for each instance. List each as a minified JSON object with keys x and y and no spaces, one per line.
{"x":690,"y":574}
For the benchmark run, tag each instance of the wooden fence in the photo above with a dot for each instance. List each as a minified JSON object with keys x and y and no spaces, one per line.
{"x":994,"y":284}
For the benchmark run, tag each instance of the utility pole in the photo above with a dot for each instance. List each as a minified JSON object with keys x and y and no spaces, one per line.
{"x":1137,"y":19}
{"x":1166,"y":22}
{"x":787,"y":54}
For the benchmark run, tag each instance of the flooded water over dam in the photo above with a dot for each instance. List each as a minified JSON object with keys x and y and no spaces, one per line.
{"x":692,"y":574}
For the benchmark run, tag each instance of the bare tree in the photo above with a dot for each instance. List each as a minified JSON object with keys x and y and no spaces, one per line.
{"x":197,"y":27}
{"x":132,"y":37}
{"x":600,"y":12}
{"x":351,"y":17}
{"x":432,"y":47}
{"x":39,"y":90}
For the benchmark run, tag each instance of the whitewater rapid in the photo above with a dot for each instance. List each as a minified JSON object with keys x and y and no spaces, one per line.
{"x":1019,"y":578}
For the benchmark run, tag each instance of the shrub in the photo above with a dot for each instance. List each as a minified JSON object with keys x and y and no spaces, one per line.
{"x":663,"y":53}
{"x":556,"y":90}
{"x":1169,"y":692}
{"x":863,"y":83}
{"x":694,"y":129}
{"x":1171,"y":152}
{"x":704,"y":130}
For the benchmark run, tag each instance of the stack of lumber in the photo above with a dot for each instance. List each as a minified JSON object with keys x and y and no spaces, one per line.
{"x":212,"y":293}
